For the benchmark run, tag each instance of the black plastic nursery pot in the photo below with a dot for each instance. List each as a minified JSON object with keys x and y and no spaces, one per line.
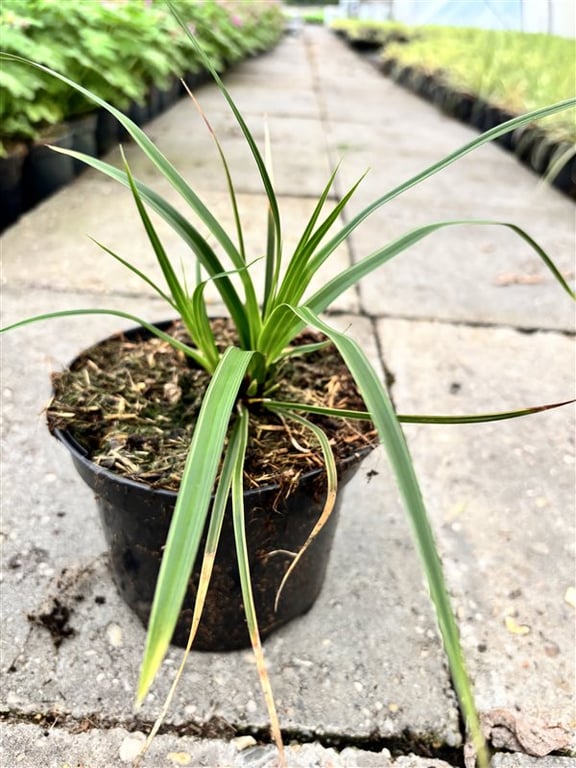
{"x":136,"y":519}
{"x":154,"y":101}
{"x":463,"y":106}
{"x":565,"y":179}
{"x":139,"y":112}
{"x":170,"y":94}
{"x":83,"y":130}
{"x":46,"y":171}
{"x":107,"y":131}
{"x":194,"y":80}
{"x":11,"y":197}
{"x":364,"y":45}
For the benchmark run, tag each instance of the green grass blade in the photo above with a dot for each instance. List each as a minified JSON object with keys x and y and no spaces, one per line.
{"x":191,"y":509}
{"x":212,"y":539}
{"x":202,"y":326}
{"x":187,"y":350}
{"x":249,"y":291}
{"x":176,"y":290}
{"x":320,"y":410}
{"x":155,"y":287}
{"x":261,"y":165}
{"x":278,"y":330}
{"x":298,"y":261}
{"x":301,"y":269}
{"x":187,"y":232}
{"x":478,"y":418}
{"x":273,"y":247}
{"x":281,"y":327}
{"x":309,"y":229}
{"x":246,"y":584}
{"x":226,"y":167}
{"x":270,"y":273}
{"x":232,"y":456}
{"x":303,"y":350}
{"x":166,"y":168}
{"x":470,"y":146}
{"x":386,"y":422}
{"x":350,"y":276}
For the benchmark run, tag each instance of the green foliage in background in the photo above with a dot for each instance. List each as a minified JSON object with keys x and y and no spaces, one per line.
{"x":516,"y":71}
{"x":382,"y":32}
{"x":311,"y":2}
{"x":117,"y":50}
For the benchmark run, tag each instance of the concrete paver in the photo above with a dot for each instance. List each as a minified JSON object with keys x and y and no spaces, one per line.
{"x":38,"y":545}
{"x":471,"y":274}
{"x":50,"y":748}
{"x":525,"y":761}
{"x":498,"y":494}
{"x":83,"y":267}
{"x":365,"y":663}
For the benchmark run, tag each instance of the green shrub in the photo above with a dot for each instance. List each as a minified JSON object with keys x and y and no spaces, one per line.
{"x":26,"y":100}
{"x":117,"y":51}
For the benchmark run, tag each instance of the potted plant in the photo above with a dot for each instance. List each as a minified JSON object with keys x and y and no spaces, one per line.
{"x":232,"y":382}
{"x":26,"y":109}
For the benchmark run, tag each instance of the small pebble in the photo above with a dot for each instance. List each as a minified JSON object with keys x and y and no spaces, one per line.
{"x":243,"y":742}
{"x":179,"y":758}
{"x":131,"y":746}
{"x":114,"y":635}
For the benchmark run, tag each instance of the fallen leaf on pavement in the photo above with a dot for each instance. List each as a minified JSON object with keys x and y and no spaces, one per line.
{"x":523,"y":733}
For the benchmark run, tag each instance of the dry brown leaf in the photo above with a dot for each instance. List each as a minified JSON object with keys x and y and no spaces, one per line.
{"x":523,"y":733}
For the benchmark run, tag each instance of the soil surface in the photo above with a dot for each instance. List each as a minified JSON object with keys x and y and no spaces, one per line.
{"x":132,"y":403}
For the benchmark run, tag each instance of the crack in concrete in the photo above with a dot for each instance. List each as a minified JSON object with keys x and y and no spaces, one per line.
{"x":218,"y":728}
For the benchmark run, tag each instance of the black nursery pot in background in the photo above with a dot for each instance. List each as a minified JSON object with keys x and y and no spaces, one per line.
{"x":84,"y":138}
{"x":46,"y":171}
{"x":136,"y":519}
{"x":11,"y":198}
{"x":107,"y":131}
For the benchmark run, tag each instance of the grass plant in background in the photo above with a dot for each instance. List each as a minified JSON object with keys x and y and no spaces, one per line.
{"x":517,"y":71}
{"x":244,"y":377}
{"x":378,"y":32}
{"x":483,"y":76}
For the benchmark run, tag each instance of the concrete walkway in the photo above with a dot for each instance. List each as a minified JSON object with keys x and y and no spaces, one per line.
{"x":468,"y":321}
